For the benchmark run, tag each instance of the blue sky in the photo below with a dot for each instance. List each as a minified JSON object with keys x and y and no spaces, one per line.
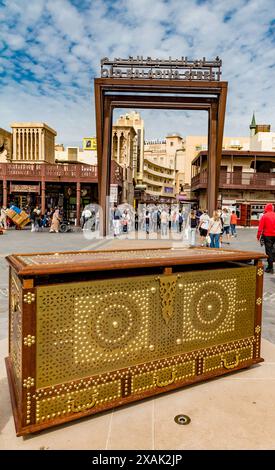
{"x":50,"y":51}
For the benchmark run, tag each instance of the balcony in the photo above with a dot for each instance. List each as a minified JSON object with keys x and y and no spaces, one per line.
{"x":48,"y":172}
{"x":236,"y":180}
{"x":151,"y":181}
{"x":161,"y":174}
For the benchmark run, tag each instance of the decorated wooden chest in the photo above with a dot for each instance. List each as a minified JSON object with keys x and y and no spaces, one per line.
{"x":89,"y":331}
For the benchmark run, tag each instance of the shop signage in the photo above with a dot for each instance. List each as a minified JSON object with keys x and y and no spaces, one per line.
{"x":181,"y":197}
{"x":24,"y":188}
{"x":166,"y":69}
{"x":229,"y":201}
{"x":113,"y":192}
{"x":89,"y":143}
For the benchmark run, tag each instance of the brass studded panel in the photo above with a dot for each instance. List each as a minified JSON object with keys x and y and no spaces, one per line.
{"x":210,"y":308}
{"x":163,"y":377}
{"x":16,"y":331}
{"x":49,"y":406}
{"x":229,"y":359}
{"x":88,"y":328}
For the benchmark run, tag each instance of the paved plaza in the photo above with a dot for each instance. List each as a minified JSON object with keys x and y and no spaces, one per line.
{"x":232,"y":412}
{"x":27,"y":242}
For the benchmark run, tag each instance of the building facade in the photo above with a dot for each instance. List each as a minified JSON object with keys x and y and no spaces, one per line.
{"x":29,"y":175}
{"x":247,"y":182}
{"x":124,"y":150}
{"x":75,"y":155}
{"x":134,"y":120}
{"x":159,"y":181}
{"x":160,"y":168}
{"x":5,"y":146}
{"x":32,"y":142}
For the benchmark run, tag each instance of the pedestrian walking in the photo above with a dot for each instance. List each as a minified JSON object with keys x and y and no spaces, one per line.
{"x":266,"y":230}
{"x":180,"y":221}
{"x":85,"y":216}
{"x":3,"y":218}
{"x":125,"y":220}
{"x":55,"y":221}
{"x":35,"y":215}
{"x":147,"y":221}
{"x":214,"y":230}
{"x":203,"y":226}
{"x":164,"y":219}
{"x":226,"y":223}
{"x":192,"y":227}
{"x":233,"y":223}
{"x":116,"y":220}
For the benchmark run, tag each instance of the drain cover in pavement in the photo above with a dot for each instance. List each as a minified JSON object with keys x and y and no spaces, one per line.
{"x":182,"y":419}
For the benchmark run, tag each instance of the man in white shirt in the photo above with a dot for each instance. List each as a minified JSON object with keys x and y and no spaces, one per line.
{"x":86,"y":214}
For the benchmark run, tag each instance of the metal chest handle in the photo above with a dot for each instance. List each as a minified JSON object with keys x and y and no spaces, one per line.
{"x":87,"y":406}
{"x":230,"y":365}
{"x":166,"y":382}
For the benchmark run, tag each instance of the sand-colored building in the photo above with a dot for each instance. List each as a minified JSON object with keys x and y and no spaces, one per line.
{"x":124,"y":153}
{"x":32,"y":142}
{"x":159,"y":180}
{"x":134,"y":120}
{"x":247,"y":182}
{"x":261,"y":137}
{"x":162,"y":165}
{"x":75,"y":155}
{"x":5,"y":146}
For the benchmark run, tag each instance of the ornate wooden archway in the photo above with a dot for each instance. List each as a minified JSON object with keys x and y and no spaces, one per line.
{"x":202,"y":91}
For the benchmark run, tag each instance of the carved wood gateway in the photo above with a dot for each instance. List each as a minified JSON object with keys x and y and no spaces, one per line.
{"x":90,"y":331}
{"x":139,"y":82}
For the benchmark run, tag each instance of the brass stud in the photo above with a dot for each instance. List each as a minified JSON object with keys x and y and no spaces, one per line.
{"x":29,"y":340}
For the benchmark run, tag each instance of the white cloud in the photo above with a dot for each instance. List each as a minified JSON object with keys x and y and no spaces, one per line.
{"x":53,"y":49}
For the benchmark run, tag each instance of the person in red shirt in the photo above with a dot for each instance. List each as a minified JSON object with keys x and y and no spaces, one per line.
{"x":233,"y":223}
{"x":266,"y":229}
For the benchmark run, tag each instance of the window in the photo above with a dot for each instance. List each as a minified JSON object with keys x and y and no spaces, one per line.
{"x":171,"y":144}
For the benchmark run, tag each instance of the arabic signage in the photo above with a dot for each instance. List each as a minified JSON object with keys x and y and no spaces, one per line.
{"x":113,"y":192}
{"x":166,"y":69}
{"x":24,"y":188}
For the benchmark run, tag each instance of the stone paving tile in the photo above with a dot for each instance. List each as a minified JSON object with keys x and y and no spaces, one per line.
{"x":26,"y":242}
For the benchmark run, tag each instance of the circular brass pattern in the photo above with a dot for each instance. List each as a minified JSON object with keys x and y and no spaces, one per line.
{"x":259,"y":301}
{"x":153,"y":290}
{"x":119,"y":319}
{"x":203,"y":318}
{"x":180,"y":286}
{"x":152,"y":347}
{"x":182,"y":419}
{"x":178,"y":341}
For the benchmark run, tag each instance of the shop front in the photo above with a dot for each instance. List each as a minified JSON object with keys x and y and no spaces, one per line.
{"x":24,"y":195}
{"x":64,"y":195}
